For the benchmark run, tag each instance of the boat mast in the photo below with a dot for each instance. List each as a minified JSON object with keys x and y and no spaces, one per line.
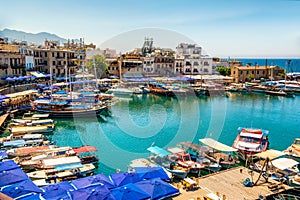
{"x":51,"y":83}
{"x":95,"y":72}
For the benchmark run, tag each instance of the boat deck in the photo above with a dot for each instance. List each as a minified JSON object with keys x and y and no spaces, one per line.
{"x":230,"y":183}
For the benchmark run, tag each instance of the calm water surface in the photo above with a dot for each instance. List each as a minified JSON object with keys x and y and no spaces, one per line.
{"x":141,"y":121}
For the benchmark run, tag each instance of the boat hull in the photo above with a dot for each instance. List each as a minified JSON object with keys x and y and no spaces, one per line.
{"x":75,"y":113}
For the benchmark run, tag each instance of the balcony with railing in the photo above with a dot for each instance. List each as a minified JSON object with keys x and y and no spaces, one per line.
{"x":3,"y":66}
{"x":18,"y":66}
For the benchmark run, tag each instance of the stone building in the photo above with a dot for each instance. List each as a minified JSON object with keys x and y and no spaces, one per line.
{"x":247,"y":73}
{"x":13,"y":58}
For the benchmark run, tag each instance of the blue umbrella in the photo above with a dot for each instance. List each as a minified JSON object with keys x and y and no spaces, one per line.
{"x":93,"y":180}
{"x":26,"y":77}
{"x":152,"y":172}
{"x":120,"y":179}
{"x":157,"y":188}
{"x":3,"y":97}
{"x":129,"y":191}
{"x":12,"y":176}
{"x":57,"y":191}
{"x":9,"y":79}
{"x":20,"y":189}
{"x":7,"y":165}
{"x":32,"y":196}
{"x":99,"y":192}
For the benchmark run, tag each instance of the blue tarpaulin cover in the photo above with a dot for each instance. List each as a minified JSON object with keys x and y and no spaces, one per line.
{"x":99,"y":192}
{"x":8,"y":165}
{"x":152,"y":172}
{"x":124,"y":178}
{"x":157,"y":188}
{"x":12,"y":176}
{"x":129,"y":191}
{"x":57,"y":191}
{"x":93,"y":180}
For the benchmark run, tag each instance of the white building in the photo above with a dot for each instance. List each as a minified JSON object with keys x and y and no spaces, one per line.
{"x":194,"y":62}
{"x":148,"y":64}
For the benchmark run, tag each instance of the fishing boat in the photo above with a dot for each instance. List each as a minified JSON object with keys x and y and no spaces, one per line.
{"x":21,"y":130}
{"x":220,"y":153}
{"x":29,"y":122}
{"x":63,"y":174}
{"x":23,"y":140}
{"x":276,"y":92}
{"x":165,"y":159}
{"x":67,"y":109}
{"x":58,"y":163}
{"x":283,"y":169}
{"x":184,"y":160}
{"x":28,"y":151}
{"x":198,"y":154}
{"x":122,"y":91}
{"x":250,"y":140}
{"x":293,"y":151}
{"x":31,"y":116}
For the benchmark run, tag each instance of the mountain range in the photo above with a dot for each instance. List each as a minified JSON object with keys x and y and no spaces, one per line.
{"x":37,"y":39}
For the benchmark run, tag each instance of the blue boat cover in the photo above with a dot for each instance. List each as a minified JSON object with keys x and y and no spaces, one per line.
{"x":157,"y":188}
{"x":158,"y":151}
{"x":8,"y":165}
{"x":14,"y":143}
{"x":68,"y":166}
{"x":129,"y":191}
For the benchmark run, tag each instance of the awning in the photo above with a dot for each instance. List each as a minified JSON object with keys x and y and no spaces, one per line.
{"x":248,"y":145}
{"x":216,"y":145}
{"x":284,"y":163}
{"x":271,"y":154}
{"x":253,"y":135}
{"x":37,"y":74}
{"x":84,"y":149}
{"x":158,"y":151}
{"x":175,"y":150}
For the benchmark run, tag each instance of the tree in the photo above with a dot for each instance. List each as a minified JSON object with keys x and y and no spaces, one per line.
{"x":100,"y":65}
{"x":223,"y":70}
{"x":251,"y":76}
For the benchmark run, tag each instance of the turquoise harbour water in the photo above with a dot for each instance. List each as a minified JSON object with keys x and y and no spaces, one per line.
{"x":141,"y":121}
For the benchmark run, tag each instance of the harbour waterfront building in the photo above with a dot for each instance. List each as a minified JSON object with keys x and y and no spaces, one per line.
{"x":130,"y":65}
{"x":247,"y":73}
{"x":148,"y":64}
{"x":194,"y":62}
{"x":18,"y":58}
{"x":13,"y":57}
{"x":164,"y":62}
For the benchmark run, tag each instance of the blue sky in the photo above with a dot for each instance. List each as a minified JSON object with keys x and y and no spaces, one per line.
{"x":224,"y":28}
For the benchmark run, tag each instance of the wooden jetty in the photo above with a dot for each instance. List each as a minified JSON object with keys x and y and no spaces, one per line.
{"x":228,"y":184}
